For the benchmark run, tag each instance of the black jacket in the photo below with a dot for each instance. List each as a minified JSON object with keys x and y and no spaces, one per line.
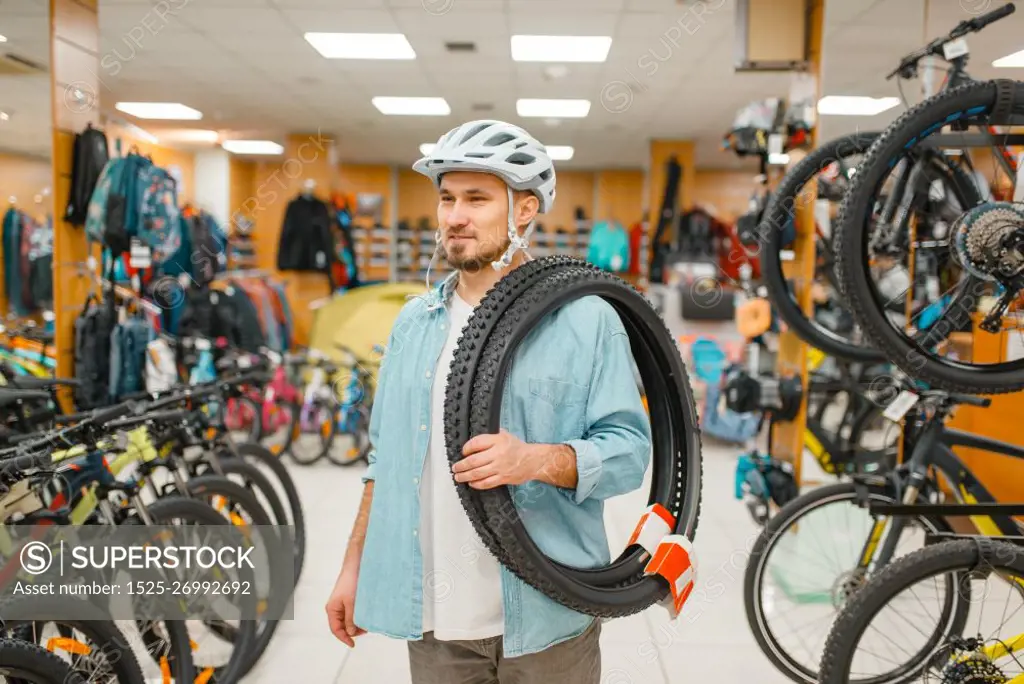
{"x":306,"y":240}
{"x":90,"y":155}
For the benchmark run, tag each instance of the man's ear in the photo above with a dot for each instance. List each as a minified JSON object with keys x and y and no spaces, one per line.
{"x":527,"y":206}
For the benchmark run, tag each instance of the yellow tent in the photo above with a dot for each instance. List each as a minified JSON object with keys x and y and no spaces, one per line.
{"x":360,"y":319}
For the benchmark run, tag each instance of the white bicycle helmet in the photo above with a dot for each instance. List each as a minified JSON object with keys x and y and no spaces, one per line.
{"x":502,"y":149}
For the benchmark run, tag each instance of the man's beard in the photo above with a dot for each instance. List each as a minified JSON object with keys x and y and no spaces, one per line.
{"x":487,"y":254}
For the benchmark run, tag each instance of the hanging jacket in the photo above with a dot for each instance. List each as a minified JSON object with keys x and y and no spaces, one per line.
{"x":89,"y":155}
{"x":128,"y":344}
{"x":12,"y":252}
{"x":306,"y":242}
{"x":609,"y":247}
{"x":250,"y":333}
{"x":208,"y":313}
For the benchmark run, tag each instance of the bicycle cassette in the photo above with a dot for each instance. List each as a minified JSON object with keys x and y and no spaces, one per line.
{"x":988,"y":241}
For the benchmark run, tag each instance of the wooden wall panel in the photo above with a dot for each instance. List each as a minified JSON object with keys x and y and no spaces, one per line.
{"x":242,"y":184}
{"x":724,"y":193}
{"x":575,"y":189}
{"x":620,"y":196}
{"x":417,"y":198}
{"x":74,"y":37}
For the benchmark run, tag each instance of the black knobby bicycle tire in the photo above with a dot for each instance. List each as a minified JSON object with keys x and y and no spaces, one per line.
{"x":35,"y":664}
{"x":621,"y":588}
{"x":258,"y":454}
{"x":463,"y":368}
{"x":98,"y":627}
{"x":851,"y":244}
{"x":771,"y":229}
{"x":786,"y":519}
{"x":963,"y":555}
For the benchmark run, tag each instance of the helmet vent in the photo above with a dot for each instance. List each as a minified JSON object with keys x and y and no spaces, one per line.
{"x":473,"y":132}
{"x":479,"y":155}
{"x":520,"y":158}
{"x":499,"y":139}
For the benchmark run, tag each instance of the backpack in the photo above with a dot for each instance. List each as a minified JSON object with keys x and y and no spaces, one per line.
{"x":93,"y":329}
{"x":135,"y":199}
{"x":128,"y":343}
{"x":90,"y":155}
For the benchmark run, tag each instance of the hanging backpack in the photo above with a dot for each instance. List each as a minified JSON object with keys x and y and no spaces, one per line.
{"x":128,"y":360}
{"x":93,"y":329}
{"x":89,"y":157}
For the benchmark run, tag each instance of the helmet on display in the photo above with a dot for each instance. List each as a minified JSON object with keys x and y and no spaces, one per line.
{"x":502,"y":149}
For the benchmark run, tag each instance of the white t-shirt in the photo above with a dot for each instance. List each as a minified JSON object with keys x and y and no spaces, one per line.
{"x":462,"y":596}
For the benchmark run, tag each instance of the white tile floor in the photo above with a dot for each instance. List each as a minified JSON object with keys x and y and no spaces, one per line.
{"x":710,"y":642}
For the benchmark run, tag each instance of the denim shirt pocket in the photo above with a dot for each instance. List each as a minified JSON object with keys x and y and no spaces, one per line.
{"x":557,"y":410}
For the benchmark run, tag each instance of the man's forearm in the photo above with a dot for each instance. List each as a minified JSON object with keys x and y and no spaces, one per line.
{"x":555,"y":464}
{"x":355,"y":542}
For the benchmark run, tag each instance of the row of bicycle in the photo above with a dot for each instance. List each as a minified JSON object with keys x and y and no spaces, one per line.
{"x":146,"y":469}
{"x":910,"y":571}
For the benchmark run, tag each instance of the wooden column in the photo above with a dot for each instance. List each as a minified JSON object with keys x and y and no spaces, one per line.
{"x":74,"y":63}
{"x":619,"y":196}
{"x":788,"y":438}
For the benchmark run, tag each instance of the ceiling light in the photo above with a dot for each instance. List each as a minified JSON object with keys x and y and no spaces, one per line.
{"x":1014,"y":60}
{"x":554,"y":108}
{"x":4,"y":116}
{"x":252,"y":147}
{"x":427,"y":148}
{"x":422,"y":106}
{"x":159,"y":110}
{"x":361,"y":45}
{"x":855,"y":105}
{"x":3,"y":39}
{"x":560,"y":48}
{"x":141,"y":133}
{"x":560,"y":152}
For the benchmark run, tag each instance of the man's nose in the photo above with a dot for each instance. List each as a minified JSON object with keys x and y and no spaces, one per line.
{"x":457,"y":217}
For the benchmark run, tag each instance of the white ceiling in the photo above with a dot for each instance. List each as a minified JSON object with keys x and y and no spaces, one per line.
{"x":26,"y":98}
{"x":245,"y":65}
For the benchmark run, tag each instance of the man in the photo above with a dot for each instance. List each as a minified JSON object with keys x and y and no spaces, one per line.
{"x":574,"y":433}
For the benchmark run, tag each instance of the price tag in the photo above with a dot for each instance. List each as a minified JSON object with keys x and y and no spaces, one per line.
{"x":900,"y":405}
{"x":274,"y":357}
{"x":955,"y":48}
{"x":202,"y":345}
{"x":140,"y":256}
{"x":244,"y":362}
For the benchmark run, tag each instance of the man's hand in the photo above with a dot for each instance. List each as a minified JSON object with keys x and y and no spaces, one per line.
{"x":341,"y":607}
{"x":503,"y":459}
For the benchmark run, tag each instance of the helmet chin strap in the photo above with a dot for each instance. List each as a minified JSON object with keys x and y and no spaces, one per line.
{"x":516,"y":243}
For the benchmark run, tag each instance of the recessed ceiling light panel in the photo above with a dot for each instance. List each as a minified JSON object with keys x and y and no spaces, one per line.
{"x":159,"y":110}
{"x":412,"y":106}
{"x":561,"y":109}
{"x":560,"y":48}
{"x":361,"y":45}
{"x":252,"y":147}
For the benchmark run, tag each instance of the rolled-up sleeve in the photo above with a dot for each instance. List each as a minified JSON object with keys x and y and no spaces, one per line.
{"x":378,"y":408}
{"x":614,"y":454}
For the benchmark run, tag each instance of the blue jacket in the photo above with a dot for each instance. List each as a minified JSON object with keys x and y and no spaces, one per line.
{"x":571,"y":382}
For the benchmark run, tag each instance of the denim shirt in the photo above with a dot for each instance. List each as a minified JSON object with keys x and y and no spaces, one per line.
{"x":571,"y":382}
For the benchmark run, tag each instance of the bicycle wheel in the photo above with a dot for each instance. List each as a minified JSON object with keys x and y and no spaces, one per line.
{"x":349,"y":448}
{"x":780,"y":213}
{"x":261,"y":458}
{"x":975,"y":268}
{"x":25,"y":663}
{"x":976,"y":648}
{"x":481,"y":364}
{"x":239,"y":637}
{"x":94,"y":646}
{"x":313,"y":429}
{"x":241,"y":507}
{"x":786,"y":574}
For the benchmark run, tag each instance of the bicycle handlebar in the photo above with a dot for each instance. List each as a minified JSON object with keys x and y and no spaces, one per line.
{"x":909,"y":63}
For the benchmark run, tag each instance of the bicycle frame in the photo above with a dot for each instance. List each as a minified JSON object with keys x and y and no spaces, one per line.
{"x":933,"y":450}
